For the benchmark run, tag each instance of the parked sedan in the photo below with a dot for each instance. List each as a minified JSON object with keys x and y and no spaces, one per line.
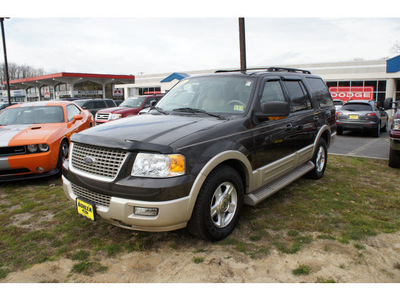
{"x":34,"y":137}
{"x":361,"y":115}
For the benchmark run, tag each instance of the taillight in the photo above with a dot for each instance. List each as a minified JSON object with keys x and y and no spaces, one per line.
{"x":371,"y":114}
{"x":339,"y":113}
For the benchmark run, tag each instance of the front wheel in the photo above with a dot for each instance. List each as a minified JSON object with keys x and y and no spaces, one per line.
{"x":320,"y":160}
{"x":218,"y":205}
{"x":62,"y":154}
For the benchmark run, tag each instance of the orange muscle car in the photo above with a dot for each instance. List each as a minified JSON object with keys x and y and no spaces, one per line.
{"x":34,"y":137}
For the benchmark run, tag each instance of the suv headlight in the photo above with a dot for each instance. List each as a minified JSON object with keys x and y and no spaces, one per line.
{"x":396,"y":124}
{"x":115,"y":116}
{"x":158,"y":165}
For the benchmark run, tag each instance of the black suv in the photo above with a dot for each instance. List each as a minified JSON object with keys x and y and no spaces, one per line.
{"x":212,"y":144}
{"x":94,"y":105}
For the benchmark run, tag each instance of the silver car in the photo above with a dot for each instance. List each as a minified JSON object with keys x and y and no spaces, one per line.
{"x":361,"y":115}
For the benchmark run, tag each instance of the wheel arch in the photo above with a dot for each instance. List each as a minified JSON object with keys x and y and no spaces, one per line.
{"x":234,"y":159}
{"x":325,"y":133}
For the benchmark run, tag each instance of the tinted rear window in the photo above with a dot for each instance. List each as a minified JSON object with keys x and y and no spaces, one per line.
{"x":320,"y":92}
{"x":357,"y":107}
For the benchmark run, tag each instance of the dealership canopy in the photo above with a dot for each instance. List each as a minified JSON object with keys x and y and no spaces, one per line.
{"x":71,"y":78}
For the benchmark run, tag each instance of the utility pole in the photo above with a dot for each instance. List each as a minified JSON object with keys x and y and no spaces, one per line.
{"x":242,"y":41}
{"x":5,"y":60}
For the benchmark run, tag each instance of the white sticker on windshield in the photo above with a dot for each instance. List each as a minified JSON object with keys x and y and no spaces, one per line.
{"x":248,"y":83}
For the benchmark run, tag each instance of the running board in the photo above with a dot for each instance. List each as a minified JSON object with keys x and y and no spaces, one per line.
{"x":264,"y":192}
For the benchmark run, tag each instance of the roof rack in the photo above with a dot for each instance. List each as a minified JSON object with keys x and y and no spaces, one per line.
{"x":269,"y":69}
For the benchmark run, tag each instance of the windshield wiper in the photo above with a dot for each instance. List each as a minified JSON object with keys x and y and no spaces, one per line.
{"x":196,"y":110}
{"x":159,"y":109}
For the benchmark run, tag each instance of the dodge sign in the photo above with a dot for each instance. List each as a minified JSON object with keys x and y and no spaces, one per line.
{"x":346,"y":93}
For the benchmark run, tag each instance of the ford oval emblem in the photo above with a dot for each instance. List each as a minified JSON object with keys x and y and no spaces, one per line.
{"x":89,"y":160}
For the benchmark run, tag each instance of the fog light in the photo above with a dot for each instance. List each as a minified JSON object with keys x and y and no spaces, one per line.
{"x":146,"y":211}
{"x":40,"y":169}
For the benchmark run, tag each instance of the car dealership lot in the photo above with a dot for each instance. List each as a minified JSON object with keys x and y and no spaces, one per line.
{"x":361,"y":145}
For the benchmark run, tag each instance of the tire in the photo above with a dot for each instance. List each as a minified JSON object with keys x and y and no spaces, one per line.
{"x":63,"y":153}
{"x":218,"y":206}
{"x":339,"y":131}
{"x":394,"y":158}
{"x":384,"y":129}
{"x":320,"y":160}
{"x":377,"y":131}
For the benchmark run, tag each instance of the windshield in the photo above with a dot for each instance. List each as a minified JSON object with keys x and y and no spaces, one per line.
{"x":32,"y":115}
{"x":213,"y":94}
{"x":133,"y":102}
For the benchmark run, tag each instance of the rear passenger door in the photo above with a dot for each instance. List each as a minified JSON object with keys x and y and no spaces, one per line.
{"x":303,"y":117}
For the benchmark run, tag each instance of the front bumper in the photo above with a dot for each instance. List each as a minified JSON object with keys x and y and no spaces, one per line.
{"x":172,"y":215}
{"x":27,"y":166}
{"x":395,"y":144}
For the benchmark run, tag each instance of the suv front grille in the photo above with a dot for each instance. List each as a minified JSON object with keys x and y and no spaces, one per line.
{"x":99,"y":162}
{"x":97,"y":198}
{"x":102,"y":116}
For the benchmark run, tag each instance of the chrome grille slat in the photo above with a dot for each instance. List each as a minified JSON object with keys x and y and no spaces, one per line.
{"x":97,"y":198}
{"x":106,"y":162}
{"x":102,"y":116}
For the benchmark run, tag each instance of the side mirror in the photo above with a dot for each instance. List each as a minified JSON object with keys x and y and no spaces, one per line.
{"x":76,"y":118}
{"x":153,"y":103}
{"x":387,"y":104}
{"x":275,"y":109}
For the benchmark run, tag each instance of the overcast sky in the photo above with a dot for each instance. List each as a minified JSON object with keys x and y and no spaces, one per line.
{"x":127,"y":43}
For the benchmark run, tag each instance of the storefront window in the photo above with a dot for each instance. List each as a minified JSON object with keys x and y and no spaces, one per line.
{"x":358,"y":90}
{"x":357,"y":83}
{"x":397,"y":89}
{"x":147,"y":90}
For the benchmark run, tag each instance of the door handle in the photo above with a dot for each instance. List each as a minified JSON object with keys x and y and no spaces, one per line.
{"x":289,"y":126}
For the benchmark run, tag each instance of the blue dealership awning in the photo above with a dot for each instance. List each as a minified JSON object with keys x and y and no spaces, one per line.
{"x":177,"y":76}
{"x":393,"y":64}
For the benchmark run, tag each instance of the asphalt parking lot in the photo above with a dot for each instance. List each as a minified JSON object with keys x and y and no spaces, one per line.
{"x":361,"y":145}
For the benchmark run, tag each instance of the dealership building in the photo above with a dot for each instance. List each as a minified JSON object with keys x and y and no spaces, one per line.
{"x":358,"y":79}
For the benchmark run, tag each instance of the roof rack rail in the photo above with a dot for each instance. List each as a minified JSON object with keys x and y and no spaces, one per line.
{"x":268,"y":69}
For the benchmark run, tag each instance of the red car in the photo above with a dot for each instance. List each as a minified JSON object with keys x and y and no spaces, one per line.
{"x":131,"y":106}
{"x":34,"y":137}
{"x":394,"y":153}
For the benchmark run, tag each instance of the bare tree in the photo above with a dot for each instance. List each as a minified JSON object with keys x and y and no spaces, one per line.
{"x":16,"y":71}
{"x":396,"y":47}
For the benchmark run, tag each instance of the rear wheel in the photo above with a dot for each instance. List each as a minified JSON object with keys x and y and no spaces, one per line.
{"x":377,"y":130}
{"x":218,"y":205}
{"x":320,"y":160}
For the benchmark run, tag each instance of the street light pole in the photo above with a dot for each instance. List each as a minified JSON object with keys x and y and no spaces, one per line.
{"x":5,"y":60}
{"x":242,"y":41}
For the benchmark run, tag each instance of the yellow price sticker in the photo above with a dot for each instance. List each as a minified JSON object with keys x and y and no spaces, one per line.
{"x":238,"y":107}
{"x":85,"y":209}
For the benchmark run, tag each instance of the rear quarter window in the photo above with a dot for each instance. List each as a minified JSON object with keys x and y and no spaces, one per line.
{"x":320,"y":92}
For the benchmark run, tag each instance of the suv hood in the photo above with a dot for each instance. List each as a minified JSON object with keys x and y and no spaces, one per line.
{"x":147,"y":130}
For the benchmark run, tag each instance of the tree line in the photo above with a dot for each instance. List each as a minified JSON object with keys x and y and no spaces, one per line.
{"x":16,"y":71}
